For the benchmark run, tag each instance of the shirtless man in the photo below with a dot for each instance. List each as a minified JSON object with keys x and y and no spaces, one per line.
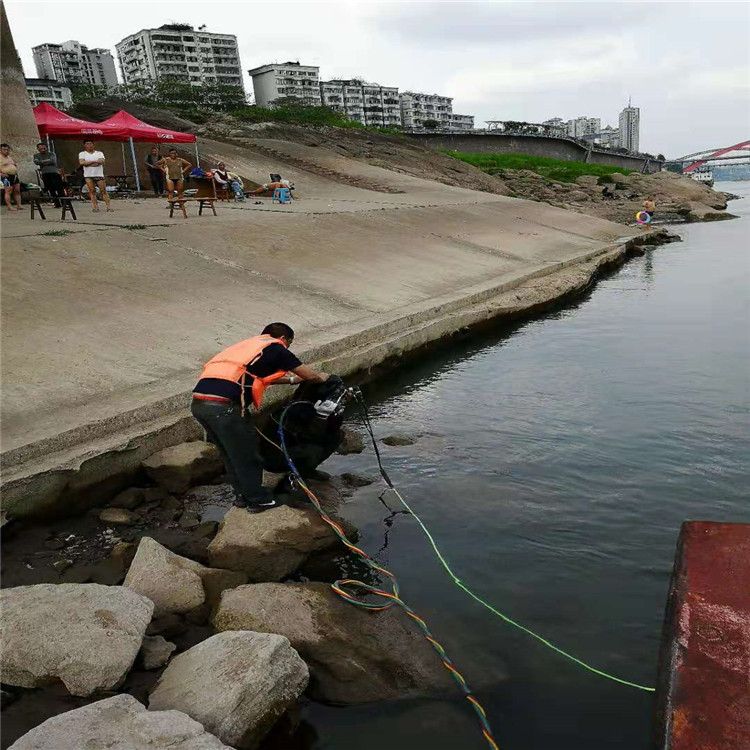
{"x":9,"y":177}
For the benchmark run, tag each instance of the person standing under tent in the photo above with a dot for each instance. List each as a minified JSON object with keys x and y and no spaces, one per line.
{"x":155,"y":172}
{"x":53,"y":182}
{"x":9,"y":177}
{"x":175,"y":167}
{"x":92,"y":162}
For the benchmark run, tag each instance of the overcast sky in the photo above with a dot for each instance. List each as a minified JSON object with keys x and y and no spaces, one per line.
{"x":685,"y":64}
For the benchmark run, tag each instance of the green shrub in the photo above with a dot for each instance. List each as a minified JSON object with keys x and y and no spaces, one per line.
{"x":553,"y":169}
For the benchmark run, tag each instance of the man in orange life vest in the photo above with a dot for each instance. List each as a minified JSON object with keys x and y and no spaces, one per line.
{"x":232,"y":381}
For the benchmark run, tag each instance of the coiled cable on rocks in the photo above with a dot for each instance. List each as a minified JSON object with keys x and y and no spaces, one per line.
{"x":392,"y":597}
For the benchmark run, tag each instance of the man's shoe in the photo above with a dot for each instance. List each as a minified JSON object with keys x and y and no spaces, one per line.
{"x":260,"y":507}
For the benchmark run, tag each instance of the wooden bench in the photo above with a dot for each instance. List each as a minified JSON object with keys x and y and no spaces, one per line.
{"x":35,"y":202}
{"x":180,"y":202}
{"x":67,"y":208}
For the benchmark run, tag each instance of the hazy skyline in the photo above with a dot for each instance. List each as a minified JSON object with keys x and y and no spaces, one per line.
{"x":506,"y":61}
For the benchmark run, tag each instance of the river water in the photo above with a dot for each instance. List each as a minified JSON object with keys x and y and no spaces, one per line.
{"x":556,"y":462}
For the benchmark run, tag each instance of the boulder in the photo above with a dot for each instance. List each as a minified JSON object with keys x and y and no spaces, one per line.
{"x":269,"y":546}
{"x":356,"y":480}
{"x":180,"y":466}
{"x":351,"y":442}
{"x":84,"y":635}
{"x":175,"y":584}
{"x":587,"y":180}
{"x":128,"y":499}
{"x":236,"y":684}
{"x":395,"y":440}
{"x":118,"y":723}
{"x":118,"y":517}
{"x":155,"y":651}
{"x":354,"y":655}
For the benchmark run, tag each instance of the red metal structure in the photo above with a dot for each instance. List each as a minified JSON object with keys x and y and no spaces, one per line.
{"x":716,"y":155}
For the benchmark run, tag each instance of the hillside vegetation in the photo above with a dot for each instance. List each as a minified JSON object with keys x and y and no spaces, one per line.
{"x":552,"y":169}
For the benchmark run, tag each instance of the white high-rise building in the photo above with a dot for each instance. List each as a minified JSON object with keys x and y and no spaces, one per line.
{"x":286,"y":80}
{"x":179,"y":52}
{"x":74,"y":63}
{"x":416,"y":109}
{"x":581,"y":126}
{"x":630,"y":125}
{"x":42,"y":91}
{"x":368,"y":103}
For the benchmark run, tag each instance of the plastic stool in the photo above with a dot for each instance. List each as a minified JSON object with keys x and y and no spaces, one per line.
{"x":282,"y":195}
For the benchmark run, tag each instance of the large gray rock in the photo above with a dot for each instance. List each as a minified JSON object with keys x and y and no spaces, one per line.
{"x":176,"y":584}
{"x":354,"y":655}
{"x":118,"y":723}
{"x":178,"y":467}
{"x":269,"y":546}
{"x":236,"y":684}
{"x":85,"y":635}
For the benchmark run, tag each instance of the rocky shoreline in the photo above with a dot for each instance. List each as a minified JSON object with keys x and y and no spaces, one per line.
{"x":169,"y":597}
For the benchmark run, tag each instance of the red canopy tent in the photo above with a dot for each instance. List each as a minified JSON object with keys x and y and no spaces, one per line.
{"x":53,"y":123}
{"x":141,"y":132}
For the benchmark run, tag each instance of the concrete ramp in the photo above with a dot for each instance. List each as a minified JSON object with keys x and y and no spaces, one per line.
{"x":105,"y":329}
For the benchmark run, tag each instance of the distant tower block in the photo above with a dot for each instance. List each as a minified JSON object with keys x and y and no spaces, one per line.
{"x":17,"y":123}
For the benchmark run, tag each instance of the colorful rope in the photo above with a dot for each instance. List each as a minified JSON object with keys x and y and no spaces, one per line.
{"x":393,"y":596}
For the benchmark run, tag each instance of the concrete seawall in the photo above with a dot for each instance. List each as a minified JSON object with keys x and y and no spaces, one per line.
{"x":550,"y":147}
{"x":106,"y":328}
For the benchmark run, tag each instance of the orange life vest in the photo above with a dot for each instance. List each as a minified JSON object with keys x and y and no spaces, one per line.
{"x":232,"y":364}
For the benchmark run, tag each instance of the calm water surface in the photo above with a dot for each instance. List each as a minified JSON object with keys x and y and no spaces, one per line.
{"x":556,"y":464}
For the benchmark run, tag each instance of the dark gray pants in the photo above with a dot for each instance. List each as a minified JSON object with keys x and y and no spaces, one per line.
{"x":237,"y":441}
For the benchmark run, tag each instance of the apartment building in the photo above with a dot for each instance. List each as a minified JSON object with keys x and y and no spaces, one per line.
{"x":630,"y":125}
{"x":581,"y":126}
{"x":182,"y":53}
{"x":416,"y":109}
{"x":74,"y":63}
{"x":290,"y":79}
{"x":368,"y":103}
{"x":52,"y":92}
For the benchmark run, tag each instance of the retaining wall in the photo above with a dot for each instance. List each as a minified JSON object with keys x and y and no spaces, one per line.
{"x":547,"y":146}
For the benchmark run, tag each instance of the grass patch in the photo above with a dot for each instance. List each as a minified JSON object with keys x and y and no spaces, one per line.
{"x":553,"y":169}
{"x":56,"y":233}
{"x":133,"y":227}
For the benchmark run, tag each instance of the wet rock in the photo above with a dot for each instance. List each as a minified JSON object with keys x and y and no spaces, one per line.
{"x":127,"y":499}
{"x":108,"y":572}
{"x":61,"y":565}
{"x":354,"y":655}
{"x":118,"y":517}
{"x":169,"y":626}
{"x":54,"y":544}
{"x":175,"y":584}
{"x":199,"y":615}
{"x":171,"y":503}
{"x":85,"y":635}
{"x":123,"y":553}
{"x":155,"y":495}
{"x":355,"y":480}
{"x":394,"y":440}
{"x":207,"y":528}
{"x":351,"y":442}
{"x":118,"y":723}
{"x":189,"y":520}
{"x":236,"y":684}
{"x":155,"y":651}
{"x":180,"y":466}
{"x":269,"y":546}
{"x":78,"y":574}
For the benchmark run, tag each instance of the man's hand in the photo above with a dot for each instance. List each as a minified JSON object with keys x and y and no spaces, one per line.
{"x":307,"y":373}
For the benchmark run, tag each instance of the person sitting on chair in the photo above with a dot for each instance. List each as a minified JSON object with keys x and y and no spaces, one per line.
{"x":229,"y":181}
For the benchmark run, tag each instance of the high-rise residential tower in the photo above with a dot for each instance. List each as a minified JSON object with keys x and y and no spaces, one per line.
{"x":74,"y":63}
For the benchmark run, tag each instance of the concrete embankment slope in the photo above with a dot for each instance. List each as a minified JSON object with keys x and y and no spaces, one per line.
{"x":105,"y":329}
